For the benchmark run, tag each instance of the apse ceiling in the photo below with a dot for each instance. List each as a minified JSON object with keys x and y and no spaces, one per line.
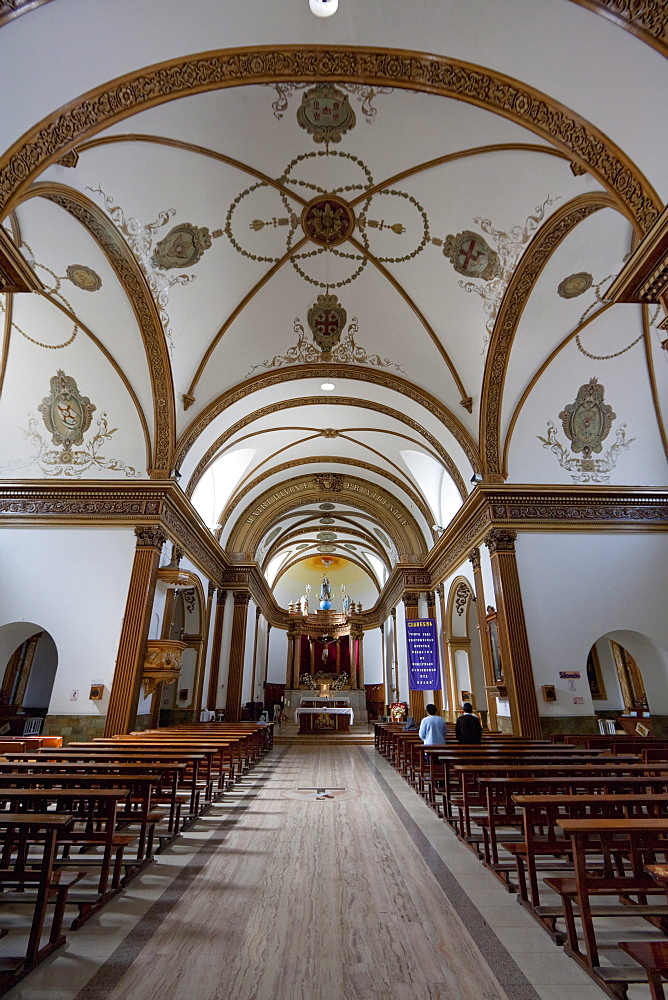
{"x":330,"y":351}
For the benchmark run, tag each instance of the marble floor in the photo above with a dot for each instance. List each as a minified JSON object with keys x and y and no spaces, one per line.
{"x":279,"y":894}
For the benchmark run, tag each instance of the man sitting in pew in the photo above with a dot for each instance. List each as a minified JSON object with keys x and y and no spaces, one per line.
{"x":432,"y":728}
{"x":468,"y":728}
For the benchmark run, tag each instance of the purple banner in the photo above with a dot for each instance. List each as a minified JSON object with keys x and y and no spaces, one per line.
{"x":422,"y":642}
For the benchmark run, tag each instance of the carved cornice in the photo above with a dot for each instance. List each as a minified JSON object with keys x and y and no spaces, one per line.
{"x":16,"y":275}
{"x":542,"y":246}
{"x":133,"y":282}
{"x":644,"y":277}
{"x":366,"y":404}
{"x":647,"y":19}
{"x":9,"y":9}
{"x":199,"y":72}
{"x":268,"y":380}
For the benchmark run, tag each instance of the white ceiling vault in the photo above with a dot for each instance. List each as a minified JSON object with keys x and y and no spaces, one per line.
{"x":328,"y":285}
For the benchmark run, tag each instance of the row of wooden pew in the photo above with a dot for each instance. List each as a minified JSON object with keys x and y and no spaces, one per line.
{"x":78,"y":823}
{"x":580,"y":833}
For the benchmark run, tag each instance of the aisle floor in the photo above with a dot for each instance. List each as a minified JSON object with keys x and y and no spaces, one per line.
{"x":279,"y":895}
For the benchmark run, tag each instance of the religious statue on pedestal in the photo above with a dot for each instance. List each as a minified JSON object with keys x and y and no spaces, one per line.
{"x":345,"y":600}
{"x":325,"y":594}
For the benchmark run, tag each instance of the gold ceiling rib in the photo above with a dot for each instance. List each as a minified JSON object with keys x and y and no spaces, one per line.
{"x":133,"y":282}
{"x":383,"y":507}
{"x":378,"y":454}
{"x":538,"y":375}
{"x":112,"y":102}
{"x":191,"y":147}
{"x":112,"y":361}
{"x":373,"y":546}
{"x":543,"y":244}
{"x":649,"y":356}
{"x":299,"y":530}
{"x":279,"y":451}
{"x":466,"y":400}
{"x":438,"y":161}
{"x":9,"y":9}
{"x":9,"y":307}
{"x":393,"y":382}
{"x":188,"y":397}
{"x":333,"y":461}
{"x":212,"y":453}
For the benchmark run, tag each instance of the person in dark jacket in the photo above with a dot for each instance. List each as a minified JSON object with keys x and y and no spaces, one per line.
{"x":468,"y":728}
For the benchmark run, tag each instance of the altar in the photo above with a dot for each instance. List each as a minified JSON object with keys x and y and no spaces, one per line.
{"x":324,"y":719}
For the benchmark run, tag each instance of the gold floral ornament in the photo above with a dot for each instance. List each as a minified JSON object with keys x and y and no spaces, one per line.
{"x":471,"y":255}
{"x":183,"y":246}
{"x":66,"y":413}
{"x":328,"y":220}
{"x":325,"y":113}
{"x":326,"y":320}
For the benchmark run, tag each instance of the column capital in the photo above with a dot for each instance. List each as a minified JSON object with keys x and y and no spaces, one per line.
{"x":269,"y":627}
{"x":210,"y":590}
{"x":382,"y":628}
{"x":241,"y":597}
{"x":222,"y":596}
{"x":474,"y":558}
{"x":393,"y":615}
{"x":411,"y":601}
{"x":500,"y":540}
{"x":258,"y":612}
{"x":150,"y":536}
{"x":440,"y":591}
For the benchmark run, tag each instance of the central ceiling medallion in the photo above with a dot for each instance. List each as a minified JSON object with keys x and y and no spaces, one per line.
{"x":328,"y":220}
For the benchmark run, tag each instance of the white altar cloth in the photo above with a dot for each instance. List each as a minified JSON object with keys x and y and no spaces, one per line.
{"x":324,"y":701}
{"x":319,"y":711}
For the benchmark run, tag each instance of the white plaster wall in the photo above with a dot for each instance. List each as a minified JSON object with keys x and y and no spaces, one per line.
{"x":73,"y":582}
{"x":402,"y":651}
{"x":579,"y":586}
{"x":248,"y":654}
{"x":278,"y":656}
{"x":225,"y":645}
{"x":373,"y":657}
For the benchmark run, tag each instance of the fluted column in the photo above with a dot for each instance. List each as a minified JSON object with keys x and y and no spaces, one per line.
{"x":257,"y":625}
{"x":431,"y":613}
{"x":513,"y":640}
{"x":395,"y":653}
{"x":266,"y":660}
{"x":387,"y":683}
{"x":237,"y":651}
{"x":134,"y":633}
{"x":216,"y":645}
{"x":485,"y":644}
{"x":360,"y":660}
{"x":197,"y":701}
{"x":415,"y":698}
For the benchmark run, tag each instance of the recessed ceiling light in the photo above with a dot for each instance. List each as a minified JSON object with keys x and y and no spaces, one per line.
{"x":327,"y":386}
{"x":323,"y":8}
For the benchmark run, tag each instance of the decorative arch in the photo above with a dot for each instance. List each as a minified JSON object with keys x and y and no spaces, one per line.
{"x":103,"y":106}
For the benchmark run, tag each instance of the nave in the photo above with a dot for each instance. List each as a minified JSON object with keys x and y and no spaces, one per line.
{"x":278,"y":894}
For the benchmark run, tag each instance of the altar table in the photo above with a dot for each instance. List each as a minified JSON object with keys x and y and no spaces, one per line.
{"x":323,"y":720}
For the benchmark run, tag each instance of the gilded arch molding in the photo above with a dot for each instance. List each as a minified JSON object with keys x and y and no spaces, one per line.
{"x":103,"y":106}
{"x":299,"y":372}
{"x":364,"y":539}
{"x":548,"y":238}
{"x":125,"y":266}
{"x":255,"y":520}
{"x":367,"y":404}
{"x":320,"y":461}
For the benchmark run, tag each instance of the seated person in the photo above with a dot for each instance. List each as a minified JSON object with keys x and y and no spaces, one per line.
{"x":432,"y":728}
{"x":468,"y":728}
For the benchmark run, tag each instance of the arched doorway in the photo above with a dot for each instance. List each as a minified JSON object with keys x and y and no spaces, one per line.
{"x":181,"y":701}
{"x":464,"y":664}
{"x":28,"y":664}
{"x":628,"y":678}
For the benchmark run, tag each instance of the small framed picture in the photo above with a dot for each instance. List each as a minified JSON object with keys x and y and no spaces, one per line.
{"x":96,"y":692}
{"x":549,"y":692}
{"x":183,"y":694}
{"x":466,"y":696}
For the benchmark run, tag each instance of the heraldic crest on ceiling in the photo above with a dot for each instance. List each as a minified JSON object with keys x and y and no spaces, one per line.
{"x":325,"y":113}
{"x":66,"y":413}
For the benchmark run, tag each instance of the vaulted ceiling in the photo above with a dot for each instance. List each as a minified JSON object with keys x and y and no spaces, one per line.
{"x":327,"y":285}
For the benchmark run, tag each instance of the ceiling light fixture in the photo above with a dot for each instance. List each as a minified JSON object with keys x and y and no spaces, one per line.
{"x":327,"y":386}
{"x":323,"y":8}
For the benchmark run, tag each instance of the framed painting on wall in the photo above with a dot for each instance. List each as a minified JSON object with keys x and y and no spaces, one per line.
{"x":594,"y":676}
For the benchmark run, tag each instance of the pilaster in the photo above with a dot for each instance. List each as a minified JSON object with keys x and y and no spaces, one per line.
{"x":216,"y":645}
{"x":125,"y":686}
{"x":513,"y":640}
{"x":237,"y":651}
{"x":485,"y":644}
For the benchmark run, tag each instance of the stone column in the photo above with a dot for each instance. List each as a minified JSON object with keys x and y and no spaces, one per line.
{"x":134,"y":633}
{"x":257,"y":625}
{"x":214,"y":672}
{"x":485,"y":644}
{"x":431,"y":613}
{"x":513,"y":641}
{"x":266,"y":661}
{"x":197,"y":699}
{"x":449,"y":666}
{"x":291,"y":659}
{"x":237,"y":651}
{"x":296,"y":659}
{"x":387,"y":684}
{"x":360,"y":660}
{"x":352,"y":656}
